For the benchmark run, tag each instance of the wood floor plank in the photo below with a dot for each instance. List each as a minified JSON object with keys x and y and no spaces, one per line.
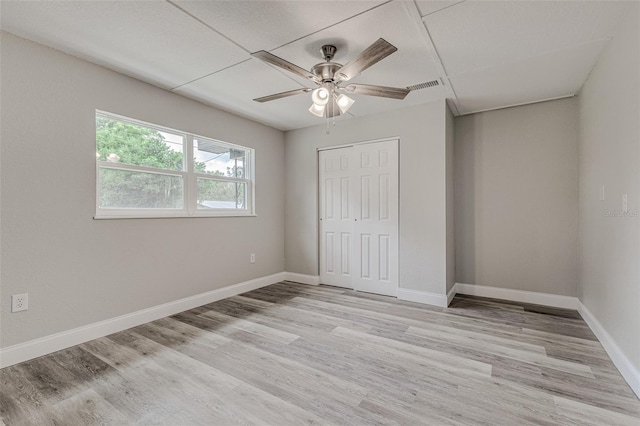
{"x":173,"y":333}
{"x":333,"y":399}
{"x":185,"y":387}
{"x":252,"y":327}
{"x":53,"y":382}
{"x":568,"y":327}
{"x":127,"y":390}
{"x":571,"y":386}
{"x":292,"y":354}
{"x":286,"y":314}
{"x":339,"y":362}
{"x":473,"y":337}
{"x":20,"y":401}
{"x":141,"y":390}
{"x":261,"y":407}
{"x":535,"y":358}
{"x":586,"y":414}
{"x":460,"y":365}
{"x":87,"y":408}
{"x":274,"y":315}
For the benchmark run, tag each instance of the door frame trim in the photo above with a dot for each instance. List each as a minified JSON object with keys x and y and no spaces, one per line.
{"x":347,"y":145}
{"x":317,"y":219}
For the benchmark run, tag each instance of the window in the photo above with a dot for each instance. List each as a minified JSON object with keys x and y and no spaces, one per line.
{"x":144,"y":170}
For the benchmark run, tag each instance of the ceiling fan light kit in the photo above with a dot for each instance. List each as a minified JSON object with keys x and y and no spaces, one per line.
{"x":317,"y":110}
{"x":344,"y":103}
{"x":328,"y":99}
{"x":320,"y":96}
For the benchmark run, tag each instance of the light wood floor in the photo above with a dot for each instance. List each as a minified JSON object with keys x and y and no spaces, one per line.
{"x":290,"y":354}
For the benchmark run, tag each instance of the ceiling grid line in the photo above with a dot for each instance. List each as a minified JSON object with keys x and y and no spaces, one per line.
{"x":217,"y":32}
{"x":415,"y":10}
{"x":209,"y":75}
{"x":444,"y":8}
{"x":227,"y":38}
{"x":207,"y":25}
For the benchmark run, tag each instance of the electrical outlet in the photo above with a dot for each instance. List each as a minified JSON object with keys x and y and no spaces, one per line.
{"x":19,"y":302}
{"x":252,"y":258}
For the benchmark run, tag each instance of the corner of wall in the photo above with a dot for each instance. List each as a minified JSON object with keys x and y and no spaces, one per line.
{"x":449,"y":204}
{"x":609,"y":149}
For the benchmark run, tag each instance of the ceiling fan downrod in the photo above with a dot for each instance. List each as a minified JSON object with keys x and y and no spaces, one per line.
{"x":328,"y":52}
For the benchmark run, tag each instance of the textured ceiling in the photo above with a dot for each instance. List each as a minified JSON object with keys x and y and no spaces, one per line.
{"x":486,"y":54}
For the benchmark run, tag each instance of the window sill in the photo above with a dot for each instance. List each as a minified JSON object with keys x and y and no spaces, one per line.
{"x":175,"y":216}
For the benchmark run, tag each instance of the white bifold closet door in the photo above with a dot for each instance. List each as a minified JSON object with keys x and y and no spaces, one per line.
{"x":359,"y":217}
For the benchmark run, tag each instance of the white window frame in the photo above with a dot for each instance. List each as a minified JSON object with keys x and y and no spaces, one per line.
{"x":189,"y":178}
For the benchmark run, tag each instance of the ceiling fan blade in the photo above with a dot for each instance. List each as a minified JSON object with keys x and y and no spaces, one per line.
{"x":382,"y":91}
{"x":272,"y":59}
{"x":369,"y":56}
{"x":282,"y":95}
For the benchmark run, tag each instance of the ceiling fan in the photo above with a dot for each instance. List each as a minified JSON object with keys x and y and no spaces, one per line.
{"x":330,"y":99}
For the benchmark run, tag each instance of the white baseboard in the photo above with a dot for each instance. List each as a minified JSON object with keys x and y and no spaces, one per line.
{"x":302,"y":278}
{"x":425,"y":297}
{"x":622,"y":363}
{"x":546,"y":299}
{"x":55,"y":342}
{"x":452,"y":293}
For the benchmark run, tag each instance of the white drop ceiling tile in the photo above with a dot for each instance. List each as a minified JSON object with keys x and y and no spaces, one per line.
{"x":412,"y":63}
{"x":234,"y":89}
{"x":265,"y":25}
{"x":549,"y":76}
{"x":152,"y":41}
{"x":428,"y":7}
{"x":478,"y":34}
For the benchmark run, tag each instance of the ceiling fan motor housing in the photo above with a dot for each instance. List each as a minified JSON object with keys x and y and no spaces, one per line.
{"x":325,"y":70}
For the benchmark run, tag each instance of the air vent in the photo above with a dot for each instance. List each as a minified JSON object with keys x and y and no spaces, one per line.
{"x":419,"y":86}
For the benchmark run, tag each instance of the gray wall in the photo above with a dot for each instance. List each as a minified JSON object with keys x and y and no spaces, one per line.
{"x":78,"y":270}
{"x":422,"y":242}
{"x":516,"y":198}
{"x":610,"y":155}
